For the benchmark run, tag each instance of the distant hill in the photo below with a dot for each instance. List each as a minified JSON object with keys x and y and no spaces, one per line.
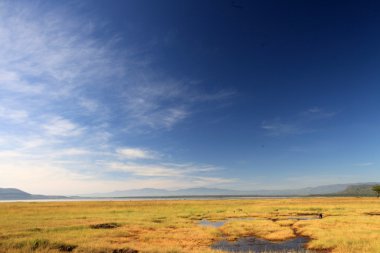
{"x":12,"y":193}
{"x":324,"y":189}
{"x":358,"y":190}
{"x":337,"y":189}
{"x":151,"y":192}
{"x":16,"y":194}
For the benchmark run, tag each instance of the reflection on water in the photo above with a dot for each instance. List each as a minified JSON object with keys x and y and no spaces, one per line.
{"x":303,"y":218}
{"x":217,"y":224}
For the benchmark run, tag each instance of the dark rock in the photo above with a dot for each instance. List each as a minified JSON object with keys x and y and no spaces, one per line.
{"x":125,"y":250}
{"x":65,"y":247}
{"x":105,"y":226}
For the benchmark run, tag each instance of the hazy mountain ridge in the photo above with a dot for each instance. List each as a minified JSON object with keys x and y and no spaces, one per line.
{"x":16,"y":194}
{"x":358,"y":189}
{"x":12,"y":193}
{"x":336,"y":189}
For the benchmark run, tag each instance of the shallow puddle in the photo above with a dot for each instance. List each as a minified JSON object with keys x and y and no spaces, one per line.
{"x":217,"y":224}
{"x":214,"y":224}
{"x":302,"y":218}
{"x":256,"y":245}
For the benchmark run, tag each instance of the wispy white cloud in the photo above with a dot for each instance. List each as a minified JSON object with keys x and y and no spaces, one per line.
{"x":39,"y":176}
{"x":46,"y":172}
{"x":62,"y":127}
{"x":302,"y":123}
{"x":67,"y":97}
{"x":219,"y":95}
{"x":50,"y":57}
{"x":13,"y":115}
{"x":154,"y":170}
{"x":12,"y":81}
{"x":161,"y":169}
{"x":136,"y":153}
{"x":162,"y":102}
{"x":316,"y":113}
{"x":10,"y":154}
{"x":72,"y":152}
{"x":214,"y":180}
{"x":45,"y":55}
{"x":89,"y":104}
{"x":277,"y":128}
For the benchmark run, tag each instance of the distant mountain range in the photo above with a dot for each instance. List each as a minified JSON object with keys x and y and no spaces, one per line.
{"x":359,"y":189}
{"x":336,"y":189}
{"x":16,"y":194}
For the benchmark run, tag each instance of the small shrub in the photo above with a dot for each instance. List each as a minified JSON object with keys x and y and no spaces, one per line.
{"x":35,"y":229}
{"x":39,"y":243}
{"x":20,"y":245}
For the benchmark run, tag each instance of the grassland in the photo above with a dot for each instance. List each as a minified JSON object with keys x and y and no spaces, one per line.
{"x":350,"y":225}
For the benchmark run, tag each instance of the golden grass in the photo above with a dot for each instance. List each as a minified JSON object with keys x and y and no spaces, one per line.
{"x":172,"y":226}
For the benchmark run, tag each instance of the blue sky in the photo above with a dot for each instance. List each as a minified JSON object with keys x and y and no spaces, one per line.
{"x":98,"y":96}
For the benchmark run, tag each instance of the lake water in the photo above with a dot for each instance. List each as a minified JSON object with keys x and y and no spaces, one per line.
{"x":256,"y":245}
{"x":217,"y":224}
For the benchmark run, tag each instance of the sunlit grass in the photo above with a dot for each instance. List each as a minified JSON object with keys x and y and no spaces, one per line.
{"x":172,"y":226}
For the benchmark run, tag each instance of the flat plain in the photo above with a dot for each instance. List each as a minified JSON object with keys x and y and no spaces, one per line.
{"x":349,"y":225}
